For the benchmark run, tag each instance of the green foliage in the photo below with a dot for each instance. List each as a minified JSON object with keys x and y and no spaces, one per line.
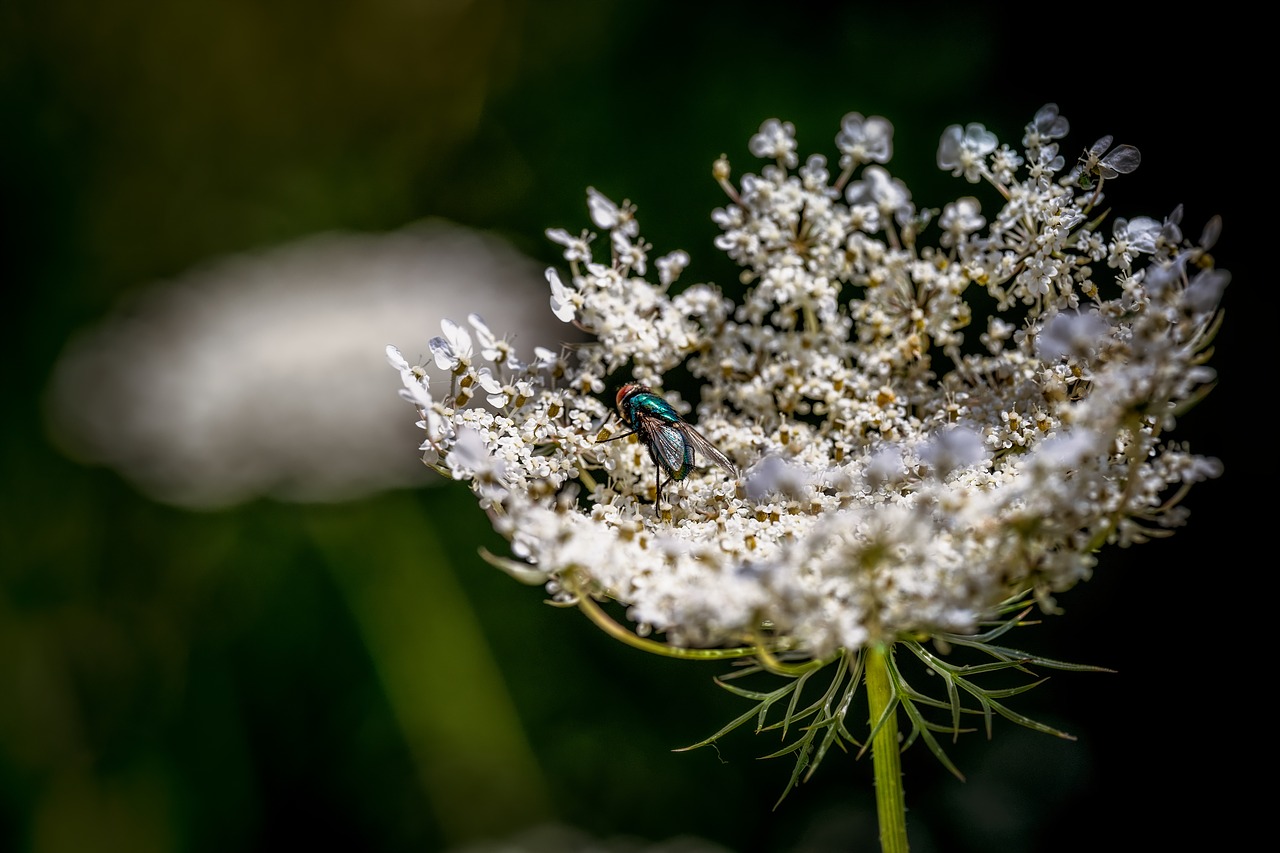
{"x":822,"y":722}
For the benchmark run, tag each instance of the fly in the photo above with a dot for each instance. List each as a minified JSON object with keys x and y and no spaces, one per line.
{"x":672,"y":443}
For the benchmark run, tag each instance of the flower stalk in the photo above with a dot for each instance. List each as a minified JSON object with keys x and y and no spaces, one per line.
{"x":891,"y":806}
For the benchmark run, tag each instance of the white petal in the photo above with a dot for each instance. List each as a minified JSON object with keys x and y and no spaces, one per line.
{"x":397,"y":360}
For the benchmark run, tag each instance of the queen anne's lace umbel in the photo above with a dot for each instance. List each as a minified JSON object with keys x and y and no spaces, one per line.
{"x":906,"y":466}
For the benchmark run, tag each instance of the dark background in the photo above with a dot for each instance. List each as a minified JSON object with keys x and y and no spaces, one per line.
{"x":173,"y":680}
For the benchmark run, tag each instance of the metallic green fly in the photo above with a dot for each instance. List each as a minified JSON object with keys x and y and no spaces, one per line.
{"x":670,"y":441}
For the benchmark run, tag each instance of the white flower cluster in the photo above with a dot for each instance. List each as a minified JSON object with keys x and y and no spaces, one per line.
{"x":902,"y":472}
{"x":195,"y":389}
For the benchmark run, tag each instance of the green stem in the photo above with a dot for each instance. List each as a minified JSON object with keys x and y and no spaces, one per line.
{"x":891,"y":808}
{"x":441,"y":680}
{"x":597,"y":615}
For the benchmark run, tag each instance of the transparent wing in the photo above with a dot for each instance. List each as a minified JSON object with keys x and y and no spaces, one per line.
{"x":668,"y":444}
{"x":699,"y":442}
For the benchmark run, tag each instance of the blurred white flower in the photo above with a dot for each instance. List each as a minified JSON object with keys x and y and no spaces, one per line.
{"x":261,"y":375}
{"x":1072,"y":334}
{"x":864,"y":140}
{"x":776,"y":140}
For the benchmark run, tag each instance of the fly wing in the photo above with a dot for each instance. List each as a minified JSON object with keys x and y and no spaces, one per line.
{"x":667,"y":445}
{"x":697,"y":441}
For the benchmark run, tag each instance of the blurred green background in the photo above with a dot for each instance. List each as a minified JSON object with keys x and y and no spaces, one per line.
{"x":280,"y":675}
